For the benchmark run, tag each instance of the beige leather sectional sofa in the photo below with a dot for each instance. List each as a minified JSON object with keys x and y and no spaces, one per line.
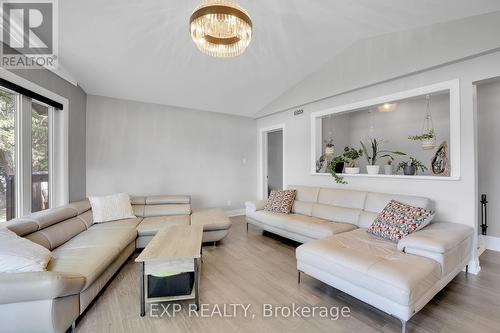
{"x":86,"y":255}
{"x":397,"y":278}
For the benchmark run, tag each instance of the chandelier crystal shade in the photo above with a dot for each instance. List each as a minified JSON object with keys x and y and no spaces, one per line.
{"x":221,"y":29}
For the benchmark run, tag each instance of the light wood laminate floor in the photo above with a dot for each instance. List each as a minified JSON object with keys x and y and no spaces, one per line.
{"x":255,"y":269}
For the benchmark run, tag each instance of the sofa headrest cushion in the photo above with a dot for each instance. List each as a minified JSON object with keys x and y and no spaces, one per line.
{"x":305,"y":193}
{"x":342,"y":198}
{"x":80,"y":206}
{"x":168,"y":199}
{"x":376,"y":202}
{"x":58,"y":234}
{"x":40,"y":220}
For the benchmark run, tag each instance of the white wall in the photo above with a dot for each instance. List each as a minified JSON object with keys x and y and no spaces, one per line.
{"x":336,"y":128}
{"x":456,"y":200}
{"x":142,"y":149}
{"x":387,"y":57}
{"x":488,"y":115}
{"x":392,"y":128}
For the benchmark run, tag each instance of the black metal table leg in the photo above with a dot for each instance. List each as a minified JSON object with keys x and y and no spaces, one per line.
{"x":196,"y":287}
{"x":143,"y":305}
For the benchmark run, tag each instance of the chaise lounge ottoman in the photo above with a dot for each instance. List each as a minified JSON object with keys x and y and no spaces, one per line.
{"x":397,"y":278}
{"x":215,"y":224}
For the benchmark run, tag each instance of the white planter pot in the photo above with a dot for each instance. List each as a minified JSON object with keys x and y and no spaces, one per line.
{"x":352,"y":171}
{"x":388,"y":169}
{"x":428,"y":144}
{"x":329,"y":150}
{"x":373,"y":169}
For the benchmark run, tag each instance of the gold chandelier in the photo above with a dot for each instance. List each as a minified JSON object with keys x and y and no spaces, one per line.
{"x":221,"y":28}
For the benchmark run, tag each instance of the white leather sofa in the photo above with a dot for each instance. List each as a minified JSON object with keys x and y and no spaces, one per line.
{"x":397,"y":278}
{"x":85,"y":256}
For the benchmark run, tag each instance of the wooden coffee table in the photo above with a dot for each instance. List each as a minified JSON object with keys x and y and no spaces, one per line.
{"x":174,"y":249}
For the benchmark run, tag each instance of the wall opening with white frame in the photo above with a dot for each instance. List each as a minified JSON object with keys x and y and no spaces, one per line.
{"x":419,"y":125}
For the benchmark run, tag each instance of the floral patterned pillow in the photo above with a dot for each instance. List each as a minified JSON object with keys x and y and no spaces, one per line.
{"x":280,"y":201}
{"x":398,"y":220}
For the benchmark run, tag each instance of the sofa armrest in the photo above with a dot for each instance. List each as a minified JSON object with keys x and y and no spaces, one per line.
{"x":31,"y":286}
{"x":252,"y":206}
{"x":438,"y":237}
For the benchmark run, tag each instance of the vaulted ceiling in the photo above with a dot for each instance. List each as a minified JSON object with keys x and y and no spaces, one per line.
{"x":142,"y":50}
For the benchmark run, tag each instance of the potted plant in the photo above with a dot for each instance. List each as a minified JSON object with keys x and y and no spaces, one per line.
{"x":372,"y":157}
{"x":352,"y":155}
{"x":335,"y":167}
{"x":330,"y":147}
{"x":326,"y":158}
{"x":411,"y":167}
{"x":428,"y":139}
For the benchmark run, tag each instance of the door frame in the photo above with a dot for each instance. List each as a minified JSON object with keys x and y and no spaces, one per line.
{"x":262,"y":166}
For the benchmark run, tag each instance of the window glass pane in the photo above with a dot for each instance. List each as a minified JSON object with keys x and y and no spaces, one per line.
{"x":39,"y":157}
{"x":7,"y":155}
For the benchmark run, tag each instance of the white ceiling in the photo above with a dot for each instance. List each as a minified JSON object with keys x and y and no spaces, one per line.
{"x":142,"y":50}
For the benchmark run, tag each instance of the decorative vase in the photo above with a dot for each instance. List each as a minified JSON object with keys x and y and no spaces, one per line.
{"x":409,"y":170}
{"x":352,"y":171}
{"x":439,"y":165}
{"x":339,"y":167}
{"x":373,"y":169}
{"x":388,"y":169}
{"x":329,"y":150}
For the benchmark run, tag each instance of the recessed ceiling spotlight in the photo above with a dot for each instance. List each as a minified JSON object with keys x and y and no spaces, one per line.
{"x":387,"y":107}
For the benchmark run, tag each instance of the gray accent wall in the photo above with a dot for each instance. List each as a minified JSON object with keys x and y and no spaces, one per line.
{"x":147,"y":149}
{"x":488,"y":119}
{"x":77,"y":107}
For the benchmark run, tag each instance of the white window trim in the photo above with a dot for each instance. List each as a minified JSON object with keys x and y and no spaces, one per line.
{"x":58,"y":149}
{"x":453,"y":86}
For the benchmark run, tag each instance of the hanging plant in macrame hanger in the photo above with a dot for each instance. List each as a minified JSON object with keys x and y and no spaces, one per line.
{"x":428,"y":136}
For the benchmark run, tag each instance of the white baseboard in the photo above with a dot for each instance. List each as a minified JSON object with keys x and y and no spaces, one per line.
{"x":480,"y":250}
{"x":235,"y":212}
{"x":490,"y":243}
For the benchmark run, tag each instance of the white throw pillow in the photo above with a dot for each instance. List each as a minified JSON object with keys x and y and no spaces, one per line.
{"x":111,"y":208}
{"x":19,"y":254}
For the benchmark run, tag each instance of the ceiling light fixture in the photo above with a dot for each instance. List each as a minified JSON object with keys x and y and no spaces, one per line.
{"x":387,"y":107}
{"x":221,"y":28}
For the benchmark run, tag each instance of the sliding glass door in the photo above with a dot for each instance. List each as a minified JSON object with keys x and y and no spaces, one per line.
{"x":25,"y":141}
{"x":39,"y":156}
{"x":8,"y":112}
